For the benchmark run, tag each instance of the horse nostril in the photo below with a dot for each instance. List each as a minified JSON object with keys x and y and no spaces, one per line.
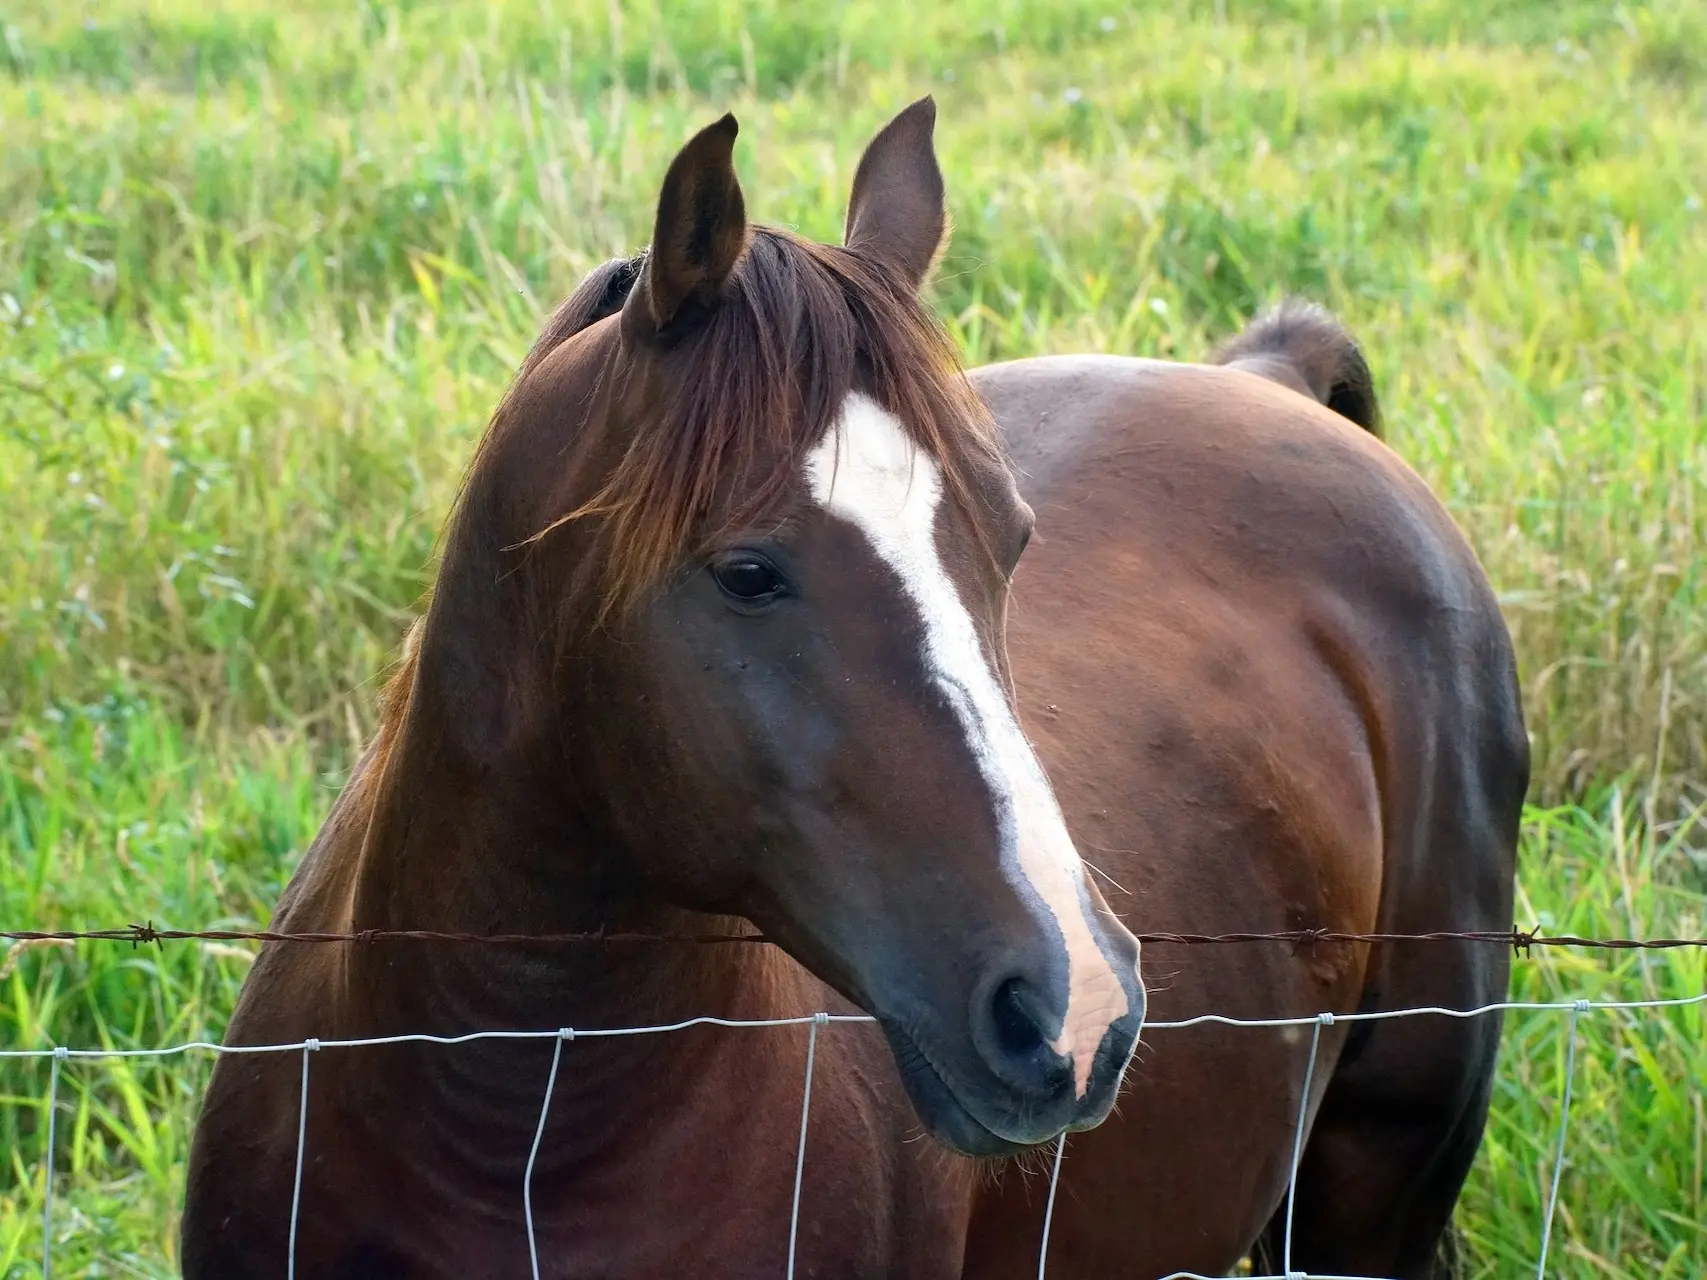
{"x":1016,"y":1025}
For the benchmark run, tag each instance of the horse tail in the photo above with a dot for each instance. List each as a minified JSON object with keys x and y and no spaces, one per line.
{"x":1301,"y":346}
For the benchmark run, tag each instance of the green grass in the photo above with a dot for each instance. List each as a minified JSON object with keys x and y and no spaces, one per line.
{"x":264,"y":271}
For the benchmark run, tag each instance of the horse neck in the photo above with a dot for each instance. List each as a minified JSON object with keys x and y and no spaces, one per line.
{"x":438,"y":846}
{"x":469,"y":817}
{"x":451,"y":848}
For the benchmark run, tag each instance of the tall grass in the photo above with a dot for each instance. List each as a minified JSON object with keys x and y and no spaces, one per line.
{"x":263,"y":273}
{"x":264,"y":279}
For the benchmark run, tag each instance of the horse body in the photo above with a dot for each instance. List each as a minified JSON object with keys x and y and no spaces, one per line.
{"x":1274,"y":693}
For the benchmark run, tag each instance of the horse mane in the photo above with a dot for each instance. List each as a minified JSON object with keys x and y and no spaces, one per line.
{"x":749,"y":387}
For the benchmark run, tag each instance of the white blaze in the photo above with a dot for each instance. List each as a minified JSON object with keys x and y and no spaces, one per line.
{"x":868,"y":471}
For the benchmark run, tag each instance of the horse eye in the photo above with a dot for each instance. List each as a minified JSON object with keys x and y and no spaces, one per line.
{"x":747,"y":579}
{"x":1024,"y":542}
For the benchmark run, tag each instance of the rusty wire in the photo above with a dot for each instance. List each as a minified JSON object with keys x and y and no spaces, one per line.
{"x":1519,"y":940}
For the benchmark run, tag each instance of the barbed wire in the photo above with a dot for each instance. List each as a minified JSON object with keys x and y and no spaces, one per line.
{"x":144,"y":934}
{"x":1519,"y":940}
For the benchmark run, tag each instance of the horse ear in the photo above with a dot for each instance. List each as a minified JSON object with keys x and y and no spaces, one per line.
{"x":896,"y":210}
{"x":699,"y":235}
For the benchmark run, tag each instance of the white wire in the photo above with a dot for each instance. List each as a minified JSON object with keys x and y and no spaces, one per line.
{"x":421,"y":1037}
{"x":1322,"y":1020}
{"x":1204,"y":1019}
{"x":308,"y":1048}
{"x":800,"y":1154}
{"x":565,"y":1033}
{"x":1559,"y":1156}
{"x":59,"y":1056}
{"x":1049,"y":1205}
{"x":1384,"y":1015}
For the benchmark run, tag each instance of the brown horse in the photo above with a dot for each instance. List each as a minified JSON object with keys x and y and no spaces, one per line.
{"x":719,"y":632}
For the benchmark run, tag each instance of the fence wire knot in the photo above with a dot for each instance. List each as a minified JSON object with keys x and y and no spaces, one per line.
{"x":1580,"y":1006}
{"x":822,"y":1018}
{"x":143,"y":934}
{"x":1325,"y":1019}
{"x":311,"y":1044}
{"x":565,"y":1033}
{"x":61,"y":1052}
{"x":1307,"y":938}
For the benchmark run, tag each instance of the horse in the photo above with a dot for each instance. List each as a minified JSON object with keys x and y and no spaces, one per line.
{"x":714,"y":639}
{"x":733,"y":625}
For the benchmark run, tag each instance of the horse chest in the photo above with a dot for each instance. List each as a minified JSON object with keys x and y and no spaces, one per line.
{"x":708,"y":1190}
{"x":726,"y":1224}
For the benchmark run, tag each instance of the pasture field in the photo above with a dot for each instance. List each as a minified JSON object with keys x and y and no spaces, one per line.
{"x":265,"y":269}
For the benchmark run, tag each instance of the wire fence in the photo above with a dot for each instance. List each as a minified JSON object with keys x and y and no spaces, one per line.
{"x":816,"y":1024}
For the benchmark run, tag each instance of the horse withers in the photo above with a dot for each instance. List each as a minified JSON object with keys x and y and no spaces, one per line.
{"x":717,"y":633}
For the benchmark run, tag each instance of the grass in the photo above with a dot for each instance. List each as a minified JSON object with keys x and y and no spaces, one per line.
{"x":264,"y":272}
